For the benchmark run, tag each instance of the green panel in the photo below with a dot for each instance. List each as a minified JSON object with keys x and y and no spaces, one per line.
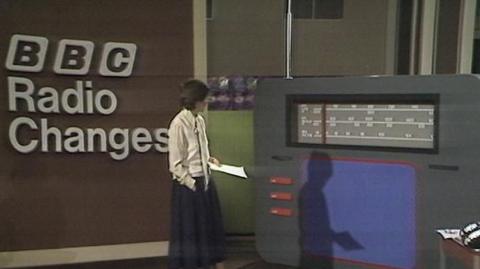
{"x":231,"y":141}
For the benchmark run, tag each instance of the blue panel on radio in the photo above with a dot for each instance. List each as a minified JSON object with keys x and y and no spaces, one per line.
{"x":359,"y":211}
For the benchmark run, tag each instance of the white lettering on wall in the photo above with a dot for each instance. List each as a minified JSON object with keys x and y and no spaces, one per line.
{"x":73,"y":57}
{"x":26,"y":53}
{"x":117,"y":59}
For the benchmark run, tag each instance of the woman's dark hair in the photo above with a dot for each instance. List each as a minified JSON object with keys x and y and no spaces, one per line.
{"x":193,"y":91}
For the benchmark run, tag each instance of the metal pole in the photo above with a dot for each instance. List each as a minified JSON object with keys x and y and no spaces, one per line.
{"x":413,"y":39}
{"x":288,"y":41}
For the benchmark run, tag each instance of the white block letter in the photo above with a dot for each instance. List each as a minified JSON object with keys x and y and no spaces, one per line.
{"x":12,"y":133}
{"x":73,"y":57}
{"x":26,"y":95}
{"x":26,"y":53}
{"x":117,"y":59}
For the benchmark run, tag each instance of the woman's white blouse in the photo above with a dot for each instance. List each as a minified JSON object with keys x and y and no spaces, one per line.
{"x":188,"y":148}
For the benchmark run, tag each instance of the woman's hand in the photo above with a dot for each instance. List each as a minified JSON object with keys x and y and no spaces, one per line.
{"x":214,"y":161}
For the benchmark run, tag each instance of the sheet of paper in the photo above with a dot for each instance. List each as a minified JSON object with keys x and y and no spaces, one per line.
{"x":449,"y":233}
{"x":238,"y":171}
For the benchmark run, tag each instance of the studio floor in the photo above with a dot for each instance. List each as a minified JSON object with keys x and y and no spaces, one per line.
{"x":241,"y":254}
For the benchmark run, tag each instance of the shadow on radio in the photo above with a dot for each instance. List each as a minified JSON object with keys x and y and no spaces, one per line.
{"x":317,"y":237}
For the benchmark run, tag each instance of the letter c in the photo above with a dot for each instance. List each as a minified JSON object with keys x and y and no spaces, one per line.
{"x":12,"y":133}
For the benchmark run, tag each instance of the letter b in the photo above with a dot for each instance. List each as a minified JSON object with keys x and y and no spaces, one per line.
{"x":26,"y":53}
{"x":73,"y":57}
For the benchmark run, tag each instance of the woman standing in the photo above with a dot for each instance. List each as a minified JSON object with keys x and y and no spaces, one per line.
{"x":197,"y":238}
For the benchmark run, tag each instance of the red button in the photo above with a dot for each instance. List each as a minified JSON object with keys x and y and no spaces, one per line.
{"x":279,"y":211}
{"x":281,"y":196}
{"x":281,"y":180}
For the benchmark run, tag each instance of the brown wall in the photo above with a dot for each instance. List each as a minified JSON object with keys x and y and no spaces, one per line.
{"x":50,"y":200}
{"x":355,"y":45}
{"x":448,"y":26}
{"x":247,"y":37}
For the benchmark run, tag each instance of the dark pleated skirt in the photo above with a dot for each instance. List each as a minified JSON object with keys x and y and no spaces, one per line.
{"x":197,"y":237}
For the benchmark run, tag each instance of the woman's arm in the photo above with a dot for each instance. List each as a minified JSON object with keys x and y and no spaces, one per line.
{"x":209,"y":158}
{"x":177,"y":152}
